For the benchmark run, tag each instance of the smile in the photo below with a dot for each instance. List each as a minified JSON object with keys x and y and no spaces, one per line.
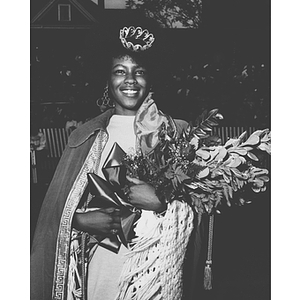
{"x":130,"y":93}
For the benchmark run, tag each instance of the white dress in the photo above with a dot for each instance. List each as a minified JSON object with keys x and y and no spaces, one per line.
{"x":105,"y":266}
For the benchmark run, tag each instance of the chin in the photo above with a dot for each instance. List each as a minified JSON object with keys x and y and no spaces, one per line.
{"x":133,"y":104}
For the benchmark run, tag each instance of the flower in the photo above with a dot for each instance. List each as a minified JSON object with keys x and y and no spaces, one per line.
{"x":194,"y":166}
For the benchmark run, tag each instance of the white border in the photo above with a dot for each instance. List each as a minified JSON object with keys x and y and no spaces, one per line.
{"x":285,"y":213}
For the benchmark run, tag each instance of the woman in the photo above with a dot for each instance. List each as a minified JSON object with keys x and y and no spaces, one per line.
{"x":151,"y":266}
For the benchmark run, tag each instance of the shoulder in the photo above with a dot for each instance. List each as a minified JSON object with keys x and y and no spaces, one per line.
{"x":83,"y":132}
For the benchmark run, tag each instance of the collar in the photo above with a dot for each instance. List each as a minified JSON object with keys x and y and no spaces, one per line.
{"x":82,"y":133}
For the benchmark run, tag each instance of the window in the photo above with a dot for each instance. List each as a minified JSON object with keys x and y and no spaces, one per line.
{"x":64,"y":12}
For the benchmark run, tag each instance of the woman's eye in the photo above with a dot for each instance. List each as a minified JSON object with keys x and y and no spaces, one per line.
{"x":140,"y":72}
{"x":119,"y":72}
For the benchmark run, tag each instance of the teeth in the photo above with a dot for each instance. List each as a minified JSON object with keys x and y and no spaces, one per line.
{"x":130,"y":92}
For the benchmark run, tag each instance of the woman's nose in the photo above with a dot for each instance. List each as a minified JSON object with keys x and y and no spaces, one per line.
{"x":130,"y":79}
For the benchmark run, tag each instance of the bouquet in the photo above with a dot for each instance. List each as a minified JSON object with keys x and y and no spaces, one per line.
{"x":186,"y":162}
{"x":193,"y":166}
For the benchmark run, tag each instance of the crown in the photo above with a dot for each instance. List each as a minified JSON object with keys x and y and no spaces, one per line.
{"x":136,"y":39}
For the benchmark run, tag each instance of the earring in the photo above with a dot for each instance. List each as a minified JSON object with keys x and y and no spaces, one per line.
{"x":150,"y":91}
{"x":105,"y":102}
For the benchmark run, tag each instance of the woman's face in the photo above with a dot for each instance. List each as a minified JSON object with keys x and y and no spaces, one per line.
{"x":128,"y":85}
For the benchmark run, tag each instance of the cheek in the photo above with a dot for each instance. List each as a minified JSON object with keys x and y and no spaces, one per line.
{"x":143,"y":82}
{"x":113,"y":85}
{"x":113,"y":82}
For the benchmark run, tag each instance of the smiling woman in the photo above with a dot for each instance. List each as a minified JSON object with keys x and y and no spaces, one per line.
{"x":128,"y":85}
{"x":77,"y":251}
{"x":114,"y":40}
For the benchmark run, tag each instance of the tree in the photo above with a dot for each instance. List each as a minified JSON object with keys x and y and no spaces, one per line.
{"x":171,"y":13}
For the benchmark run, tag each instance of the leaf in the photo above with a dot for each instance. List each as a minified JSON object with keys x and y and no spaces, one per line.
{"x":227,"y":171}
{"x":200,"y":133}
{"x":181,"y":176}
{"x":264,"y":178}
{"x":203,"y":154}
{"x":252,"y":140}
{"x":226,"y":194}
{"x":255,"y":172}
{"x":240,"y":183}
{"x":212,"y":123}
{"x":252,"y":156}
{"x":212,"y":113}
{"x":169,"y":174}
{"x":206,"y":120}
{"x":219,"y":116}
{"x":265,"y":147}
{"x":222,"y":153}
{"x":216,"y":173}
{"x":238,"y":173}
{"x":194,"y":141}
{"x":260,"y":132}
{"x":233,"y":161}
{"x":206,"y":127}
{"x":266,"y":137}
{"x":230,"y":191}
{"x":192,"y":185}
{"x":231,"y":142}
{"x":255,"y":189}
{"x":225,"y":190}
{"x":247,"y":148}
{"x":189,"y":128}
{"x":259,"y":183}
{"x":203,"y":173}
{"x":226,"y":178}
{"x":239,"y":151}
{"x":242,"y":136}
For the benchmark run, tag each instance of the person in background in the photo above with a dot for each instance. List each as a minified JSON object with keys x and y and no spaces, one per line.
{"x":72,"y":123}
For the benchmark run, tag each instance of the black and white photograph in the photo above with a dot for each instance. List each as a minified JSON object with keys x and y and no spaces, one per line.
{"x":150,"y":150}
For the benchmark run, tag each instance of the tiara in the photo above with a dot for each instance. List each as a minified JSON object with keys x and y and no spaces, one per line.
{"x":136,"y":39}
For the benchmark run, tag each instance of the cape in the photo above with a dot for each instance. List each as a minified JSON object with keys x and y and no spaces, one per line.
{"x":50,"y":245}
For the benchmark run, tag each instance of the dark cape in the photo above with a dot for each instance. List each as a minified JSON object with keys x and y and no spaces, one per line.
{"x":45,"y":242}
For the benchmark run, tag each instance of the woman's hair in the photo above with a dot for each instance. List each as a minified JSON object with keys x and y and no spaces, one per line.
{"x":104,"y":43}
{"x":143,"y":59}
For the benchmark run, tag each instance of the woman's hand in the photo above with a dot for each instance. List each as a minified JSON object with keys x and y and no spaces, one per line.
{"x":98,"y":222}
{"x":142,"y":195}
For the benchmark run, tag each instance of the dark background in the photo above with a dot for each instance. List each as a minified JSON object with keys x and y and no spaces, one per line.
{"x":225,"y":64}
{"x":234,"y":34}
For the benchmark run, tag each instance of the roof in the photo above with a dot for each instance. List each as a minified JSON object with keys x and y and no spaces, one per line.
{"x":43,"y":13}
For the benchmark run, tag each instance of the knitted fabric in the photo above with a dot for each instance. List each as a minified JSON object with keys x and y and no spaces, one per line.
{"x":153,"y":269}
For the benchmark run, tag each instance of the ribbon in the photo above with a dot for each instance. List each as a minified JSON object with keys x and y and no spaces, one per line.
{"x":108,"y":193}
{"x":113,"y":169}
{"x":149,"y":122}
